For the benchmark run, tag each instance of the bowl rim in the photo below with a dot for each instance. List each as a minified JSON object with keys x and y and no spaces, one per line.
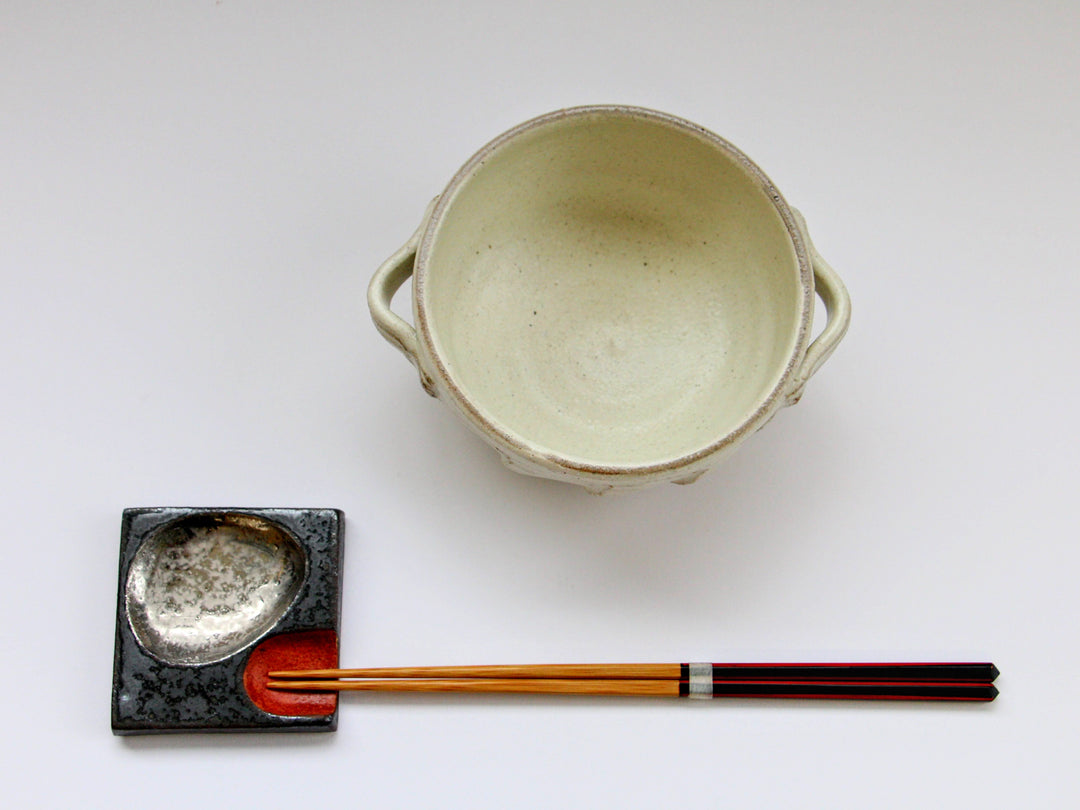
{"x":543,"y":455}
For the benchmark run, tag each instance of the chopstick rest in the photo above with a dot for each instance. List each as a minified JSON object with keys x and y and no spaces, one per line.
{"x":209,"y":600}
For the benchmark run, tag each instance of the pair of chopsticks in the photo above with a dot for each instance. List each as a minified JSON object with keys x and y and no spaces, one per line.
{"x":949,"y":681}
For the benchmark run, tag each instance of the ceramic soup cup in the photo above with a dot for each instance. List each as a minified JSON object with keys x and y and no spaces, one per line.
{"x":613,"y":297}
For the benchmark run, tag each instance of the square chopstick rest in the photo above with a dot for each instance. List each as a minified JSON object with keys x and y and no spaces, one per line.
{"x":209,"y":601}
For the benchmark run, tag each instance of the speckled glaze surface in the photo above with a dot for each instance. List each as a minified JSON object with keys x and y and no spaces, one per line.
{"x":203,"y":588}
{"x":611,"y":296}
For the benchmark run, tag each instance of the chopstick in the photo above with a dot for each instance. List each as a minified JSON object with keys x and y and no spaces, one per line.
{"x":911,"y":690}
{"x":918,"y":681}
{"x":964,"y":672}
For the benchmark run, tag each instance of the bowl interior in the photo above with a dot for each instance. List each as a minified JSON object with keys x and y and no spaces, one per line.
{"x":616,"y":290}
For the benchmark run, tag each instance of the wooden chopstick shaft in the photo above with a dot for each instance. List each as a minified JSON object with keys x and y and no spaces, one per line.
{"x":958,"y":672}
{"x":562,"y":686}
{"x":633,"y":671}
{"x":872,"y":690}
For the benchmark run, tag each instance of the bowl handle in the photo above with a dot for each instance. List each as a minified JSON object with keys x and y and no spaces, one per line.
{"x":837,"y":302}
{"x":387,"y":280}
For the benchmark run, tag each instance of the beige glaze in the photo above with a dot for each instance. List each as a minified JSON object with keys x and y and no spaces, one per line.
{"x":611,"y":296}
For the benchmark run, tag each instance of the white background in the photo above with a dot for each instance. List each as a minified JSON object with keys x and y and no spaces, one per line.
{"x":192,"y":200}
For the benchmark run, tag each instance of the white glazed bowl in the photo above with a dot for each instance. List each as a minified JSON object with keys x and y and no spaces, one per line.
{"x":611,"y":296}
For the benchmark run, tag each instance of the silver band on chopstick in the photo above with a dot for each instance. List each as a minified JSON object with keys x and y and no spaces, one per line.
{"x":701,"y":681}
